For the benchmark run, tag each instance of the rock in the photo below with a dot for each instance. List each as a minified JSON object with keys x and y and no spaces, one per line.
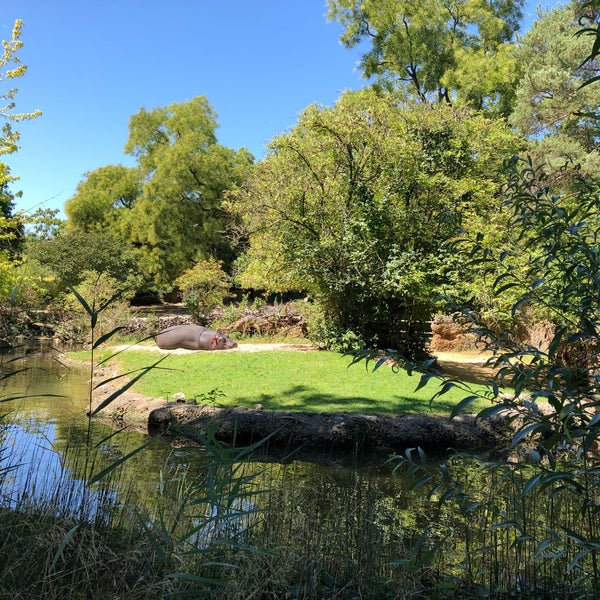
{"x":449,"y":334}
{"x":322,"y":431}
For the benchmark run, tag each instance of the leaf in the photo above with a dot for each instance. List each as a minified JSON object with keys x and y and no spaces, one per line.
{"x":536,"y":284}
{"x":117,"y":393}
{"x":590,"y":80}
{"x":424,"y":380}
{"x":518,"y":304}
{"x":555,"y":343}
{"x":61,"y":547}
{"x":463,"y":405}
{"x":107,"y":336}
{"x":531,"y":483}
{"x":523,"y":433}
{"x":82,"y":301}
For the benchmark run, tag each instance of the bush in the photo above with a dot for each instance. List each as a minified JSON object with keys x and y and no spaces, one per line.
{"x":203,"y":287}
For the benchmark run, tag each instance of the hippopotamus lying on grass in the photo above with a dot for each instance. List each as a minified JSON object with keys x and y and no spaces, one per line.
{"x":193,"y":337}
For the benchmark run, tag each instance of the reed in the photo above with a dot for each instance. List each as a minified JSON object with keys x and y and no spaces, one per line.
{"x":236,"y":529}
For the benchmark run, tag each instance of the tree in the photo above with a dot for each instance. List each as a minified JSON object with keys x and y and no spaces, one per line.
{"x":69,"y":255}
{"x":455,"y":50}
{"x":102,"y":197}
{"x":203,"y":287}
{"x":355,"y":203}
{"x":560,"y":117}
{"x":11,"y":228}
{"x":169,"y":207}
{"x":10,"y":137}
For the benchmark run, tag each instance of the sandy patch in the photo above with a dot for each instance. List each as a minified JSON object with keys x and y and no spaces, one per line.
{"x":242,"y":347}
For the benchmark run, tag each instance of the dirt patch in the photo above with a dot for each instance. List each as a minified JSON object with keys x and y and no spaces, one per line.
{"x":241,"y":347}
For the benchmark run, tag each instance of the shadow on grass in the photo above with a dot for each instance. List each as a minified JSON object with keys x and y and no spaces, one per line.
{"x":302,"y":398}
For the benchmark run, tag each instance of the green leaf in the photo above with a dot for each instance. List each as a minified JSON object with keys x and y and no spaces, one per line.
{"x":107,"y":336}
{"x":523,"y":433}
{"x":463,"y":405}
{"x":124,"y":388}
{"x":83,"y":303}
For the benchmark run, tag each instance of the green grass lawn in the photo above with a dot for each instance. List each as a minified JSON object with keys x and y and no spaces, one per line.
{"x":294,"y":381}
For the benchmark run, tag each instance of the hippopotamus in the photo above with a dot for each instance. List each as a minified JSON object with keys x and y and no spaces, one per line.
{"x":193,"y":337}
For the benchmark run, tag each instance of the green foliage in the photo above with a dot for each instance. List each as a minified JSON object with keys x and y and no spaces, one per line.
{"x":11,"y":68}
{"x":44,"y":224}
{"x":552,"y":471}
{"x":356,"y":202}
{"x":68,"y":255}
{"x":104,"y":291}
{"x":560,"y":116}
{"x":179,"y":217}
{"x":168,"y":209}
{"x":203,"y":287}
{"x":327,"y":336}
{"x":455,"y":51}
{"x":101,"y":198}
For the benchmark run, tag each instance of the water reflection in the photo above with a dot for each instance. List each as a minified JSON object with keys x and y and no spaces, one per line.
{"x":331,"y":509}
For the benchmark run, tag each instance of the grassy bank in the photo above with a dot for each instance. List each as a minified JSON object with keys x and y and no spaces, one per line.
{"x":293,"y":381}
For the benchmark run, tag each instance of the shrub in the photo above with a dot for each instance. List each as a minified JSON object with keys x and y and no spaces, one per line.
{"x":203,"y":287}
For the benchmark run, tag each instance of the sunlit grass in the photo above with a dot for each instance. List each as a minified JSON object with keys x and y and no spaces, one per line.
{"x":294,"y":381}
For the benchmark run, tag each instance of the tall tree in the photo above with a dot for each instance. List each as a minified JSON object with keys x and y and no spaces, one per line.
{"x":561,"y":118}
{"x":179,"y":217}
{"x":11,"y":228}
{"x":454,"y":50}
{"x":354,"y":204}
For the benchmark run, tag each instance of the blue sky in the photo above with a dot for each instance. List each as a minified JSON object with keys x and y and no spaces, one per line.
{"x":92,"y":65}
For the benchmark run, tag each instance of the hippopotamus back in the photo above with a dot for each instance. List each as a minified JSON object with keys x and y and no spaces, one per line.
{"x":193,"y":337}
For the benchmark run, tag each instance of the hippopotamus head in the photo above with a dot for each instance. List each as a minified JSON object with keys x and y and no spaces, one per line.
{"x":221,"y":342}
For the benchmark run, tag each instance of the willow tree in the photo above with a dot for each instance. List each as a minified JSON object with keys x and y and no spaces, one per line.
{"x":179,"y":217}
{"x":354,"y":204}
{"x":452,"y":50}
{"x":168,"y":208}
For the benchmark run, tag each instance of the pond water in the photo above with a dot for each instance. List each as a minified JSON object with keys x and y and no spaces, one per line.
{"x":43,"y":401}
{"x":348,"y":516}
{"x":353,"y":521}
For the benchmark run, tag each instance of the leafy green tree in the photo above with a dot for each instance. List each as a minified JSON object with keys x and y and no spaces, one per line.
{"x":560,"y":117}
{"x":354,"y":205}
{"x":11,"y":228}
{"x":12,"y":68}
{"x":44,"y":224}
{"x":179,"y":217}
{"x":69,"y":255}
{"x":454,"y":50}
{"x":102,"y":197}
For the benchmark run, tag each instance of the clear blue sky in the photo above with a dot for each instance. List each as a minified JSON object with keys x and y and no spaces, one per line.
{"x":92,"y":65}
